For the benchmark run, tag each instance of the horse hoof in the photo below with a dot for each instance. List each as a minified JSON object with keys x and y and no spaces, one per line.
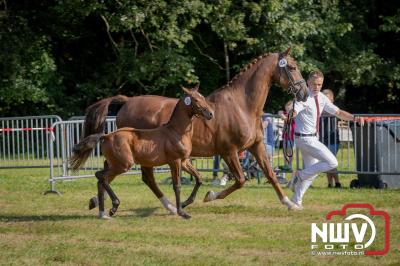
{"x":112,"y":212}
{"x":104,"y":216}
{"x":184,"y":215}
{"x":210,"y":196}
{"x":93,"y":203}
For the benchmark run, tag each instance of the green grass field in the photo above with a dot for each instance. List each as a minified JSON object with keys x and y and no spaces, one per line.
{"x":250,"y":227}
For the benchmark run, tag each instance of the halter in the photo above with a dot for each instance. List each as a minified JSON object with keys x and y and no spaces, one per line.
{"x":195,"y":110}
{"x":294,"y":86}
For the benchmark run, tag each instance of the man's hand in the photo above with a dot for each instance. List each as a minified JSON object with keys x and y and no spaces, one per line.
{"x":359,"y":119}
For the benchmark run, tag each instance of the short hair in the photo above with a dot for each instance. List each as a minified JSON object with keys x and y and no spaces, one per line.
{"x":328,"y":92}
{"x":315,"y":74}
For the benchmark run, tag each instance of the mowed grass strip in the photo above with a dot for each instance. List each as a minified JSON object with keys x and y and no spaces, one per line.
{"x":250,"y":227}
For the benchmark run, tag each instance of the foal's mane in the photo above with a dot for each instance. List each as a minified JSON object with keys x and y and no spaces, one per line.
{"x":239,"y":76}
{"x":175,"y":108}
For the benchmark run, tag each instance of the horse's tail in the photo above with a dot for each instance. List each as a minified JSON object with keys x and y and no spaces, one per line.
{"x":83,"y":149}
{"x":96,"y":114}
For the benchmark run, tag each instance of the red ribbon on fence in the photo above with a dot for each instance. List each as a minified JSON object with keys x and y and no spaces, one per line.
{"x":50,"y":129}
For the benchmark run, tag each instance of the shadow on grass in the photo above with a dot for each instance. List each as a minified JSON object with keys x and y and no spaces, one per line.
{"x":143,"y":212}
{"x":139,"y":212}
{"x":35,"y":218}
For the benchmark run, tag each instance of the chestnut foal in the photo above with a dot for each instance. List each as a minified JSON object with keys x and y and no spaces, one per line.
{"x":169,"y":144}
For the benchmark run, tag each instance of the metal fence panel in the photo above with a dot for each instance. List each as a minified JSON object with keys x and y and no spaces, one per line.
{"x":23,"y":141}
{"x":47,"y":141}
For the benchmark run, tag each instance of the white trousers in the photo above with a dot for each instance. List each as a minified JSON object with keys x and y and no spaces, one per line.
{"x":317,"y":158}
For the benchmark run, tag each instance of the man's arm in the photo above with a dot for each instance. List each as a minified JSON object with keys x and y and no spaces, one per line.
{"x":349,"y":117}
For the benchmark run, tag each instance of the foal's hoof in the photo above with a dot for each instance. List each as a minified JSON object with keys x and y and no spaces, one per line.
{"x":112,"y":212}
{"x":93,"y":203}
{"x":210,"y":196}
{"x":104,"y":216}
{"x":184,"y":215}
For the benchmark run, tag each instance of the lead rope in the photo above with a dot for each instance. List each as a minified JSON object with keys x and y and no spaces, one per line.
{"x":287,"y":130}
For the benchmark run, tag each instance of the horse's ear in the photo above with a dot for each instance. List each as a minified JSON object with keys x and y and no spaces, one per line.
{"x":287,"y":52}
{"x":187,"y":91}
{"x":196,"y":88}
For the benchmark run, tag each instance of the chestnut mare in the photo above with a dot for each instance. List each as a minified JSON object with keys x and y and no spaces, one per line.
{"x":168,"y":144}
{"x":237,"y":124}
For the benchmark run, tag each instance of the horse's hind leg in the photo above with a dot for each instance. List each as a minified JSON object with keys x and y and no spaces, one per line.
{"x":188,"y":167}
{"x":232,"y":160}
{"x":104,"y":177}
{"x":94,"y":201}
{"x":149,"y":180}
{"x":258,"y":150}
{"x":100,"y":194}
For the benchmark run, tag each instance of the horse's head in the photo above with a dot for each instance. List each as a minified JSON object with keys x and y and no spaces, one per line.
{"x":199,"y":105}
{"x":289,"y":76}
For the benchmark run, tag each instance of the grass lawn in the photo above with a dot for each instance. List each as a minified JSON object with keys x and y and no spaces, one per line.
{"x":250,"y":227}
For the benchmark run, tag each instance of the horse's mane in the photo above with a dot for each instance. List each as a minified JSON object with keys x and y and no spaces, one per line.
{"x":242,"y":72}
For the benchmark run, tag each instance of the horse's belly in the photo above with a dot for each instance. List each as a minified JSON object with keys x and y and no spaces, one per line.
{"x":149,"y":159}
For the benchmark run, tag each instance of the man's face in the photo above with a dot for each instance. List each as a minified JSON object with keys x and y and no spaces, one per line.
{"x":315,"y":85}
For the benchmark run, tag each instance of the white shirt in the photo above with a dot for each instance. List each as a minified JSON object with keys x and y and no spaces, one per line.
{"x":306,"y":118}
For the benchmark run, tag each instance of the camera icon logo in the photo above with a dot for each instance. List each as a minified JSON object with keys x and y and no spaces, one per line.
{"x":351,"y":236}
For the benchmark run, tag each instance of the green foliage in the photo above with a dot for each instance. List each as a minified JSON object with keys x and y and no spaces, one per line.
{"x":28,"y":72}
{"x":60,"y":56}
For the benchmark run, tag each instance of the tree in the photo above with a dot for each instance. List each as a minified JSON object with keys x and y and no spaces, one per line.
{"x":62,"y":56}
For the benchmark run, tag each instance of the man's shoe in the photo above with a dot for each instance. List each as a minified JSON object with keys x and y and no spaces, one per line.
{"x":296,"y":207}
{"x":338,"y":185}
{"x":330,"y":186}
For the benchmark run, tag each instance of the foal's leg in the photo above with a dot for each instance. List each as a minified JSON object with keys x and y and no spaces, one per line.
{"x":149,"y":180}
{"x":232,"y":160}
{"x":259,"y":152}
{"x":189,"y":168}
{"x":94,"y":201}
{"x":103,"y":184}
{"x":176,"y":181}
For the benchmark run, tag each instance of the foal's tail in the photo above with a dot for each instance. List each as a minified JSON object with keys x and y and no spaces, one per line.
{"x":96,"y":114}
{"x":83,"y":149}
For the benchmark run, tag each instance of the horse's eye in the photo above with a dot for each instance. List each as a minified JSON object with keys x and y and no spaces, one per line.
{"x":292,"y":68}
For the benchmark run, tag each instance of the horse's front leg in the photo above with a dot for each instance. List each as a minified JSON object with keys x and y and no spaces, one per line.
{"x":189,"y":168}
{"x":149,"y":180}
{"x":259,"y":152}
{"x":176,"y":182}
{"x":232,"y":160}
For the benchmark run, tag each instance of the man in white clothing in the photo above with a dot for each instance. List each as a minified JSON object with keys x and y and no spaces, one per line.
{"x":317,"y":157}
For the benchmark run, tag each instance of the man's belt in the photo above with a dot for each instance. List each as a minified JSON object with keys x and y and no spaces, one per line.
{"x":305,"y":135}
